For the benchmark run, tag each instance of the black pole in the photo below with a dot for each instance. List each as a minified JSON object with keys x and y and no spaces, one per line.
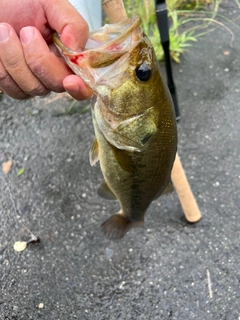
{"x":162,"y":20}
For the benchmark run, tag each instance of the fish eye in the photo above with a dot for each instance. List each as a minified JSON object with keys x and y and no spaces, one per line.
{"x":143,"y":72}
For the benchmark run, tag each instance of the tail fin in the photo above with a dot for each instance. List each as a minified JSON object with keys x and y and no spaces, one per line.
{"x":117,"y":226}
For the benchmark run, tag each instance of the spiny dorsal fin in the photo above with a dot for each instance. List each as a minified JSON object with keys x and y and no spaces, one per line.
{"x":93,"y":153}
{"x":105,"y":192}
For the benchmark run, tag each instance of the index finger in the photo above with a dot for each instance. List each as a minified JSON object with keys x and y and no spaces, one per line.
{"x":66,"y":20}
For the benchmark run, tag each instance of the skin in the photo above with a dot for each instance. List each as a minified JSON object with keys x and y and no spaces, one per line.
{"x":28,"y":24}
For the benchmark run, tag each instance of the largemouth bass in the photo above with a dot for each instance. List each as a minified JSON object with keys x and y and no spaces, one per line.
{"x":133,"y":117}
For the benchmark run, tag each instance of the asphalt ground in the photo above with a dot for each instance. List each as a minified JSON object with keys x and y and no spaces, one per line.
{"x":169,"y":269}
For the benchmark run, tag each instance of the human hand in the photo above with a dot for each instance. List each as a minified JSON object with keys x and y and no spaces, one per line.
{"x":30,"y":64}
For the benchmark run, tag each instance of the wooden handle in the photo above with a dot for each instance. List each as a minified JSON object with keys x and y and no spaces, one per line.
{"x":184,"y":192}
{"x":116,"y":12}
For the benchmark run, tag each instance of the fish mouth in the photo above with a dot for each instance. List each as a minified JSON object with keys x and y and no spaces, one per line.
{"x":106,"y":52}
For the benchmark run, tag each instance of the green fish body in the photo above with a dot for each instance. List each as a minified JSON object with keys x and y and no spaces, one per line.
{"x":133,"y":117}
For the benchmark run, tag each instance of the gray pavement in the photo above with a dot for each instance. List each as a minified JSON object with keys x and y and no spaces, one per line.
{"x":169,"y":269}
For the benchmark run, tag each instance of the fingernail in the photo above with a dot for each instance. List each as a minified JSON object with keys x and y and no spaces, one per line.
{"x":26,"y":35}
{"x":4,"y":32}
{"x":72,"y":87}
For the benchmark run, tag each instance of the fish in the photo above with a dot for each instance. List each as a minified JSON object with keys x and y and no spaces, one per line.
{"x":133,"y":116}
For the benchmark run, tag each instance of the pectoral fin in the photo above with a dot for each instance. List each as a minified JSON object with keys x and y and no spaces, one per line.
{"x":93,"y":153}
{"x":105,"y":192}
{"x":123,"y":159}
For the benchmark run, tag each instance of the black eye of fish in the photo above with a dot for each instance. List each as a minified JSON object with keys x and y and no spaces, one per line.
{"x":143,"y":72}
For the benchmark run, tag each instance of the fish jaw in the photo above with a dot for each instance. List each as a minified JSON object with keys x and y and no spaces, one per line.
{"x":106,"y":55}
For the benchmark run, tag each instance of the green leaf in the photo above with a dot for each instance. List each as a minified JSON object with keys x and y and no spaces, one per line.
{"x":20,"y":172}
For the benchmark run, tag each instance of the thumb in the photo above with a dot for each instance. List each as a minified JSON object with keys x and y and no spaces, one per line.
{"x":66,"y":20}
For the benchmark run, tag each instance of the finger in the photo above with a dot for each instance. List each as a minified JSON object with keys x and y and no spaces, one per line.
{"x":9,"y":86}
{"x":45,"y":65}
{"x":66,"y":20}
{"x":76,"y":88}
{"x":12,"y":57}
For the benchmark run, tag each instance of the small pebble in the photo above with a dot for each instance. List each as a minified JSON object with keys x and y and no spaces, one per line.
{"x":35,"y":112}
{"x":109,"y":253}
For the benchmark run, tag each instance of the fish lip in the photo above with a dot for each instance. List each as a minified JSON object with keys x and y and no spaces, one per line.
{"x":107,"y":51}
{"x":62,"y":48}
{"x":129,"y":23}
{"x":92,"y":64}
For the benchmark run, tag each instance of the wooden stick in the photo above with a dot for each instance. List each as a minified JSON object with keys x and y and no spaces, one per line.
{"x":115,"y":12}
{"x":185,"y":195}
